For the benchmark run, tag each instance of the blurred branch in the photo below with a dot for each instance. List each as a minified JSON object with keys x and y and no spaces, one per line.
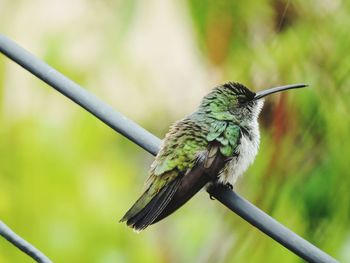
{"x":150,"y":143}
{"x":21,"y":244}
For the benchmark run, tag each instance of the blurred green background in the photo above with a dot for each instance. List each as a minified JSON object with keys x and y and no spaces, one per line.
{"x":66,"y":178}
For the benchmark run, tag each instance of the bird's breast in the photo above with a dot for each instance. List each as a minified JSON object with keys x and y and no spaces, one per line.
{"x":245,"y":155}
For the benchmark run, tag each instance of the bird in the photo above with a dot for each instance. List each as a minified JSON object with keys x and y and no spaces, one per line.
{"x":213,"y":145}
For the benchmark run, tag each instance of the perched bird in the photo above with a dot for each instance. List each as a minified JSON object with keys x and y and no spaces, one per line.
{"x":215,"y":144}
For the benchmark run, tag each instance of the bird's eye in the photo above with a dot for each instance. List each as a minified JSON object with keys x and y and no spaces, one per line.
{"x":242,"y":99}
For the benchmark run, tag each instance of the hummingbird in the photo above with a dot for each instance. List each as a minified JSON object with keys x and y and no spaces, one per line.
{"x":213,"y":145}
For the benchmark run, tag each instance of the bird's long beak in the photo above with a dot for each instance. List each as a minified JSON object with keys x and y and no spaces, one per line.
{"x":266,"y":92}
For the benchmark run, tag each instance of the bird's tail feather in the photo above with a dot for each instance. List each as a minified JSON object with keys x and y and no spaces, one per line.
{"x":144,"y":212}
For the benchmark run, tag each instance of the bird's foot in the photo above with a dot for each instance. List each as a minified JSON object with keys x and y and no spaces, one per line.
{"x":227,"y":185}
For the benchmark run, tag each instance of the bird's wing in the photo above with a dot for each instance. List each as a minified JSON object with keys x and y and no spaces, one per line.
{"x":187,"y":139}
{"x":178,"y":154}
{"x":220,"y":146}
{"x":185,"y":153}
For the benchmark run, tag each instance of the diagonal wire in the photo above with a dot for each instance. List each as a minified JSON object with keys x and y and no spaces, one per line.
{"x":21,"y":244}
{"x":150,"y":143}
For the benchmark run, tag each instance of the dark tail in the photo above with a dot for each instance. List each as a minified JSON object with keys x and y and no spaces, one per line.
{"x":144,"y":212}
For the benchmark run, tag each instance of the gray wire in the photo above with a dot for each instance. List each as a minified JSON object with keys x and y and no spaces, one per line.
{"x":150,"y":143}
{"x":23,"y":245}
{"x":269,"y":226}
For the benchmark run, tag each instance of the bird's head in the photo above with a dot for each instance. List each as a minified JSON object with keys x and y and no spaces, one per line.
{"x":235,"y":102}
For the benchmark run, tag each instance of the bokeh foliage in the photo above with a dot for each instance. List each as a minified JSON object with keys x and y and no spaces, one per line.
{"x":66,"y":178}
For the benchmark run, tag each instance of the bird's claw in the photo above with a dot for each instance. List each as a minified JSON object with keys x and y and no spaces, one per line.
{"x":211,"y":197}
